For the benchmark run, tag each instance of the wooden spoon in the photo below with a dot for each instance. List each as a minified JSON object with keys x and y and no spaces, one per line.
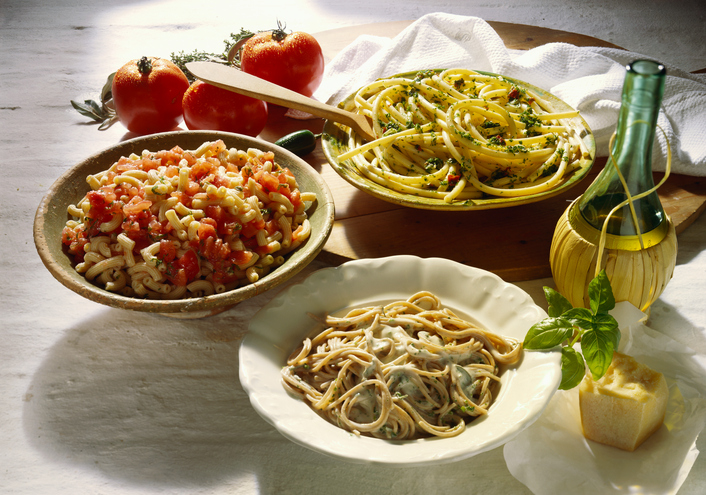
{"x":235,"y":80}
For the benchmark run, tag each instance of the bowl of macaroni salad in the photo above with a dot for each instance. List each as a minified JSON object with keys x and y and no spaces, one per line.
{"x":185,"y":224}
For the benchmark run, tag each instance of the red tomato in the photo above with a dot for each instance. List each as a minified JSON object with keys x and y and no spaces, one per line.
{"x":294,"y":61}
{"x":208,"y":107}
{"x":183,"y":270}
{"x":147,"y":95}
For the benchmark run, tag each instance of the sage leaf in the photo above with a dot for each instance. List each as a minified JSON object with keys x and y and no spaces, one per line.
{"x":107,"y":90}
{"x":600,"y":294}
{"x":90,"y":109}
{"x":597,"y":348}
{"x":558,"y":304}
{"x":573,"y":368}
{"x":548,"y":333}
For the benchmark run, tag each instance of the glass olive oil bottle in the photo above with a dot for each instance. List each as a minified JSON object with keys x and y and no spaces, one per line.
{"x":631,"y":151}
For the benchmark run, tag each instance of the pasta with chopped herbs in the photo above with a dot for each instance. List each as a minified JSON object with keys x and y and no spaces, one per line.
{"x":457,"y":135}
{"x":401,"y":371}
{"x":176,"y":224}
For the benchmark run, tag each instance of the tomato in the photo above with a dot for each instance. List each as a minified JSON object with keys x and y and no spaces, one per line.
{"x":147,"y":94}
{"x":294,"y":61}
{"x":208,"y":107}
{"x":183,"y":270}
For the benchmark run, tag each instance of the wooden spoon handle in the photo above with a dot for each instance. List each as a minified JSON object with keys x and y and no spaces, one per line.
{"x":232,"y":79}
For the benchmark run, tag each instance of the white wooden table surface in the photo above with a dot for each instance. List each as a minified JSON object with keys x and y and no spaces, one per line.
{"x":102,"y":401}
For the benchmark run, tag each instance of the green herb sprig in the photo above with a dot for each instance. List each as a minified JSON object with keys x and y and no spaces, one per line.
{"x":234,"y":43}
{"x":595,"y":328}
{"x":102,"y":112}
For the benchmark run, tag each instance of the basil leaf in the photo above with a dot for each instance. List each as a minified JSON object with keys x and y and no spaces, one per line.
{"x":558,"y":304}
{"x":600,"y":294}
{"x":548,"y":333}
{"x":604,"y":322}
{"x":573,"y":368}
{"x":597,"y":348}
{"x":580,"y":317}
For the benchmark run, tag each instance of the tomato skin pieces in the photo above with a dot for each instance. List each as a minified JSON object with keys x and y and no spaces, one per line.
{"x":294,"y":61}
{"x":208,"y":107}
{"x":147,"y":94}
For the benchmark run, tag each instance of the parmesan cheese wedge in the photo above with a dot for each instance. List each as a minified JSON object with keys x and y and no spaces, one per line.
{"x":626,"y":406}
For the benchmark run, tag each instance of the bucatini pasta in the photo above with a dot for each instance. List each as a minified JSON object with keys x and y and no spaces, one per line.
{"x":457,"y":135}
{"x":175,"y":224}
{"x":405,"y":370}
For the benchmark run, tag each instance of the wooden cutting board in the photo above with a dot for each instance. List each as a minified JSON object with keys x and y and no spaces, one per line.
{"x":512,"y":242}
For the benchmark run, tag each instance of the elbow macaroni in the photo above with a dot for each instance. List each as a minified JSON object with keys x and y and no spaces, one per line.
{"x":175,"y":224}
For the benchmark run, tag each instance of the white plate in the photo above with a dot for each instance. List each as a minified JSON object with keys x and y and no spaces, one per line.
{"x":280,"y":326}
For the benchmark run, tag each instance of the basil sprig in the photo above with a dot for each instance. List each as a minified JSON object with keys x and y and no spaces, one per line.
{"x":597,"y":331}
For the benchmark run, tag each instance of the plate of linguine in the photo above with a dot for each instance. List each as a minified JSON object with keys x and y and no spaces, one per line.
{"x":457,"y":139}
{"x":400,"y":360}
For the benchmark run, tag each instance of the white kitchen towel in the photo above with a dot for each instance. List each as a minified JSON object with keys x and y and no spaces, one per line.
{"x":589,"y":79}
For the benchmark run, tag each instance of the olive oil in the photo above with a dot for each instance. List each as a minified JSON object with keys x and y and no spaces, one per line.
{"x":649,"y":216}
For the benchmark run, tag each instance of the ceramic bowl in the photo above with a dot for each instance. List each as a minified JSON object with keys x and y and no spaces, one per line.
{"x":335,"y":143}
{"x":52,"y":215}
{"x":480,"y":296}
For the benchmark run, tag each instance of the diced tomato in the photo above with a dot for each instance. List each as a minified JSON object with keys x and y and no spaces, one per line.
{"x":271,"y":226}
{"x":167,"y":251}
{"x":295,"y":198}
{"x":251,"y":228}
{"x":215,"y":212}
{"x":229,"y":227}
{"x":220,"y":180}
{"x":156,"y":230}
{"x":269,"y":182}
{"x":136,"y":206}
{"x":190,"y":263}
{"x":227,"y":270}
{"x":183,"y":270}
{"x":250,"y":243}
{"x":241,"y":257}
{"x":224,"y":273}
{"x":76,"y":239}
{"x":125,"y":163}
{"x":150,"y":164}
{"x":170,"y":157}
{"x":192,"y":188}
{"x":226,"y":224}
{"x":171,"y":171}
{"x":200,"y":169}
{"x":207,"y":228}
{"x":102,"y":210}
{"x":213,"y":249}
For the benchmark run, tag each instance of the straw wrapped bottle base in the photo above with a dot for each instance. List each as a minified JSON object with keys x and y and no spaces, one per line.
{"x":635,"y":276}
